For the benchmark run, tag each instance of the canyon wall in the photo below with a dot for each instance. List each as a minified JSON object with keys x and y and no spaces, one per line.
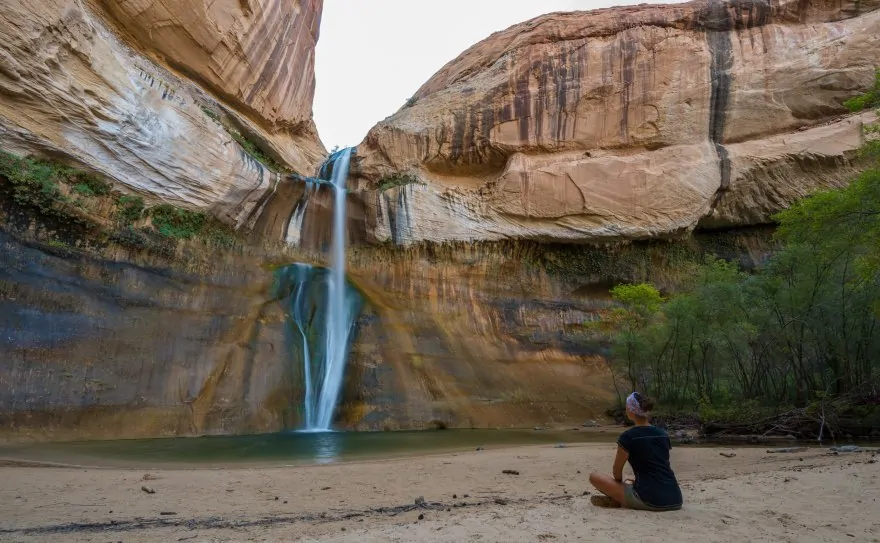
{"x":150,"y":94}
{"x":111,"y":343}
{"x":627,"y":123}
{"x":496,"y":186}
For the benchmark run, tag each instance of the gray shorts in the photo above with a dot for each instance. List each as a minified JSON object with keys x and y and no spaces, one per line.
{"x":634,"y":502}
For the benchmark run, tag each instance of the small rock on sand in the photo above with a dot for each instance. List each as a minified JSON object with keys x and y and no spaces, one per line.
{"x":420,"y":501}
{"x":148,"y":490}
{"x":510,"y":472}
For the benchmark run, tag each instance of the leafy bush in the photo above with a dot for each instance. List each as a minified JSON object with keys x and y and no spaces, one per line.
{"x":177,"y":223}
{"x":88,"y":184}
{"x":34,"y":183}
{"x":129,"y":209}
{"x":37,"y":184}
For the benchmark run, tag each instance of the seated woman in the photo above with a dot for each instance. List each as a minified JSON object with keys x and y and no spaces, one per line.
{"x":647,"y":449}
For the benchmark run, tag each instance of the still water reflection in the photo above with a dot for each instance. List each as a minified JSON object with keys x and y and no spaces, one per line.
{"x":285,"y":448}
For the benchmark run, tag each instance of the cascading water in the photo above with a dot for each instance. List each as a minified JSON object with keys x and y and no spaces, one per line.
{"x":302,"y":272}
{"x":317,"y":296}
{"x":339,"y":318}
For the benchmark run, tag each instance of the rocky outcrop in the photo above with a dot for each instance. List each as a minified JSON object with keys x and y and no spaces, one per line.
{"x":136,"y":91}
{"x":627,"y":123}
{"x":258,"y":55}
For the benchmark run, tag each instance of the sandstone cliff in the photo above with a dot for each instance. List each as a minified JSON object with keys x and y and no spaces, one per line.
{"x":147,"y":93}
{"x":627,"y":123}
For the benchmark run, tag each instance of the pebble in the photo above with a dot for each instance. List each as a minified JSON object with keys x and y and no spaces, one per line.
{"x":420,"y":501}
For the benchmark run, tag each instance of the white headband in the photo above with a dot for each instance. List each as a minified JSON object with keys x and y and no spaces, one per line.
{"x":633,"y":405}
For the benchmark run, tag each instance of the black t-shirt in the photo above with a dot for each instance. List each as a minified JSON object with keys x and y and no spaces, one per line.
{"x":648,"y":448}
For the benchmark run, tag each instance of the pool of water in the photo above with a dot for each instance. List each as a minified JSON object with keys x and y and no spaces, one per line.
{"x":286,"y":448}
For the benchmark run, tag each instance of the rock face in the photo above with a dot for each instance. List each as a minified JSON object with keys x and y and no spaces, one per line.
{"x":120,"y":348}
{"x":120,"y":345}
{"x":628,"y":123}
{"x":256,"y":54}
{"x":126,"y":89}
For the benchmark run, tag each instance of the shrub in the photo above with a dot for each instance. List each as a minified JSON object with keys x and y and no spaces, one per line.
{"x":130,"y":209}
{"x":177,"y":223}
{"x":88,"y":184}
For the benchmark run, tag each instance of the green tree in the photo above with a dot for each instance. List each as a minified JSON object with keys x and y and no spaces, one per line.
{"x":638,"y":307}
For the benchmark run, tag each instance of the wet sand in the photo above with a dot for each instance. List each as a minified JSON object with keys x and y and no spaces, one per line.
{"x":754,"y":496}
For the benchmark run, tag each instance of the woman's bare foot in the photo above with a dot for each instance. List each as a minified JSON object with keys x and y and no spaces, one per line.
{"x":604,"y":501}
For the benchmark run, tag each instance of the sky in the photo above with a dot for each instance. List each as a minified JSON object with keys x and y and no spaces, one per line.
{"x":374,"y":54}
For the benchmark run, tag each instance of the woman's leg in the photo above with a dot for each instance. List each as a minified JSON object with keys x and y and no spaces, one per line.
{"x":608,"y":486}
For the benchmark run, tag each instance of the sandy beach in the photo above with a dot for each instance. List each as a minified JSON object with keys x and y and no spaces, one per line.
{"x":752,"y":496}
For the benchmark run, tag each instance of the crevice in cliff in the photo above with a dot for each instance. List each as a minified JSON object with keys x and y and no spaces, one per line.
{"x":721,"y":50}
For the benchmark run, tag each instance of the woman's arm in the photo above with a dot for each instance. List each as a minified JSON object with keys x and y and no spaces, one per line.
{"x":619,"y":462}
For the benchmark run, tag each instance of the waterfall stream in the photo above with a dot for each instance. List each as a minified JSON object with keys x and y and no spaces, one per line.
{"x":339,"y":318}
{"x":322,"y":307}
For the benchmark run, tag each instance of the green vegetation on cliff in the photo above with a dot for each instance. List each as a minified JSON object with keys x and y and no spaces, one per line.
{"x":179,"y":223}
{"x":397,"y":180}
{"x":74,"y":199}
{"x":251,"y":147}
{"x":871,"y":99}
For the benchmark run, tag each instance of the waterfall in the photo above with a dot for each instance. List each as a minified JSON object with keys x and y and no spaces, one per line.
{"x":339,"y":318}
{"x":302,"y":273}
{"x":302,"y":290}
{"x":321,"y":305}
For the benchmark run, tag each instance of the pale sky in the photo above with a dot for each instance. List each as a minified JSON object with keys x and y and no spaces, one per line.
{"x":374,"y":54}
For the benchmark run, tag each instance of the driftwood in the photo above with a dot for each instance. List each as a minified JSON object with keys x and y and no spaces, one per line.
{"x":786,"y":450}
